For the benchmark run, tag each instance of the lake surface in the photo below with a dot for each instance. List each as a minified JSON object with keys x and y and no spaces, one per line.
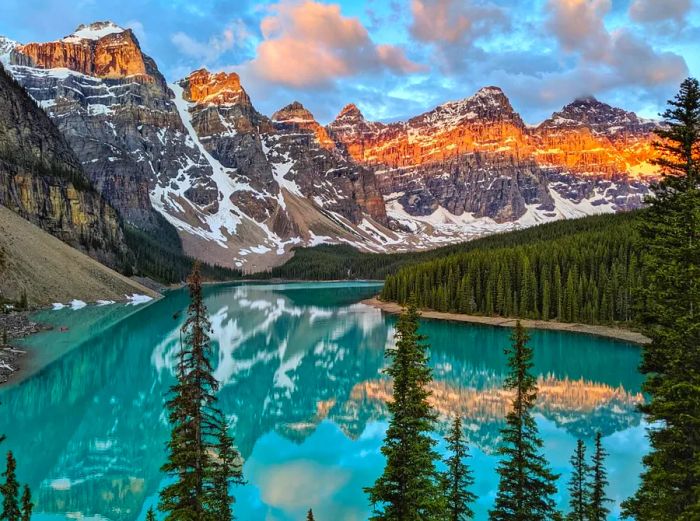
{"x":300,"y":371}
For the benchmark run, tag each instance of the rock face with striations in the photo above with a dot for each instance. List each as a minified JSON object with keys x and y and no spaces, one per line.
{"x":113,"y":106}
{"x":477,"y":157}
{"x":285,"y":182}
{"x":42,"y":180}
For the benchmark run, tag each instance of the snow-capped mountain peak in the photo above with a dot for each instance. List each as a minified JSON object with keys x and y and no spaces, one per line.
{"x":93,"y":31}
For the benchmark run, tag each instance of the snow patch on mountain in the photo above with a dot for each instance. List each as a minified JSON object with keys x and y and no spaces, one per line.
{"x":93,"y":31}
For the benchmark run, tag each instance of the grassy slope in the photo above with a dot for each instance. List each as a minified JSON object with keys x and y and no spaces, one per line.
{"x":50,"y":270}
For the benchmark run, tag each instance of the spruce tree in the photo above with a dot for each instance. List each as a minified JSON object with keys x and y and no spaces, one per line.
{"x":670,"y":236}
{"x":10,"y":491}
{"x":198,"y":439}
{"x":458,"y":478}
{"x":150,"y":515}
{"x":310,"y":515}
{"x":226,"y":470}
{"x":526,"y":484}
{"x":598,"y":483}
{"x":578,"y":485}
{"x":27,"y":505}
{"x":409,"y":488}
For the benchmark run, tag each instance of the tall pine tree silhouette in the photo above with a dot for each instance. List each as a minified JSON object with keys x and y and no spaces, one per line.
{"x":409,"y":488}
{"x":526,"y":484}
{"x":10,"y":491}
{"x":200,"y":451}
{"x":27,"y":506}
{"x":578,"y":485}
{"x":458,"y":479}
{"x":670,"y":236}
{"x":598,"y":482}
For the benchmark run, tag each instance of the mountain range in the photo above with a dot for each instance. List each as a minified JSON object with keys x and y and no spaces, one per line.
{"x":243,"y":189}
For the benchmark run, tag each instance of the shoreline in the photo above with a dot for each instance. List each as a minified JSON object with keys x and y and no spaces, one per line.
{"x":13,"y":359}
{"x":602,"y":331}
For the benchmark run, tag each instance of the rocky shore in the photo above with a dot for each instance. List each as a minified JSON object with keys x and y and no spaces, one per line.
{"x":13,"y":326}
{"x":604,"y":331}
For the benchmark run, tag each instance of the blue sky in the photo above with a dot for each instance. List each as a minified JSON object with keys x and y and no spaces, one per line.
{"x":397,"y":58}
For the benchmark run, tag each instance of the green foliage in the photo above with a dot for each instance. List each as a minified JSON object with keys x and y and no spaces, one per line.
{"x":409,"y":488}
{"x":670,"y":232}
{"x":27,"y":505}
{"x":335,"y":262}
{"x":578,"y":485}
{"x":598,"y":482}
{"x":589,"y":275}
{"x":526,"y":484}
{"x":162,"y":258}
{"x":310,"y":515}
{"x":201,"y":455}
{"x":10,"y":491}
{"x":150,"y":515}
{"x":225,"y":470}
{"x":457,"y":480}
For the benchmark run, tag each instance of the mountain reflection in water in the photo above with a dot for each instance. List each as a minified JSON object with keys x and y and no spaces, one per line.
{"x":301,"y":383}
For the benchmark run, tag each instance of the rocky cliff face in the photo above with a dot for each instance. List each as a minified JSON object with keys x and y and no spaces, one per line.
{"x":115,"y":110}
{"x":242,"y":188}
{"x":476,"y":158}
{"x":281,"y":180}
{"x":42,"y":180}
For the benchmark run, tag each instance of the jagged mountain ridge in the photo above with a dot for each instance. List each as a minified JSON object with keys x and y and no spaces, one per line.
{"x":243,"y":188}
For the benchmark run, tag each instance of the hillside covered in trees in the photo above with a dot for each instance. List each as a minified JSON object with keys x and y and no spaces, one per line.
{"x":333,"y":262}
{"x":583,"y":270}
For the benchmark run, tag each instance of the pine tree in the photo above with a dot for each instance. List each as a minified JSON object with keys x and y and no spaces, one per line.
{"x":409,"y":488}
{"x":670,"y":234}
{"x":598,"y":482}
{"x":578,"y":485}
{"x":150,"y":515}
{"x":226,"y":470}
{"x":10,"y":491}
{"x":27,"y":505}
{"x":310,"y":516}
{"x":198,"y":443}
{"x":458,"y":478}
{"x":526,"y":483}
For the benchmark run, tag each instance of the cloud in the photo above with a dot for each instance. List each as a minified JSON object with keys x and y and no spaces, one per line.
{"x":616,"y":58}
{"x":578,"y":25}
{"x":454,"y":21}
{"x":655,"y":11}
{"x":452,"y":28}
{"x":309,"y":44}
{"x":234,"y":34}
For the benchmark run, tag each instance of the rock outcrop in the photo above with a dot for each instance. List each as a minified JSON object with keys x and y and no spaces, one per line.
{"x":116,"y":112}
{"x":477,"y":157}
{"x":42,"y":180}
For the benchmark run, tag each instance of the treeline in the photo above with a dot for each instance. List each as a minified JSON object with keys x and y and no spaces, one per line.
{"x":333,"y":262}
{"x":590,"y":274}
{"x":162,"y":258}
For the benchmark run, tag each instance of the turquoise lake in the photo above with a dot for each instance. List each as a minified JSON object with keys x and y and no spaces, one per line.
{"x":301,"y":383}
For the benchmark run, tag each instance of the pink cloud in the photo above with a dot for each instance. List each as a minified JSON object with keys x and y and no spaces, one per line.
{"x":578,"y":25}
{"x":620,"y":57}
{"x":308,"y":44}
{"x":453,"y":21}
{"x":654,"y":11}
